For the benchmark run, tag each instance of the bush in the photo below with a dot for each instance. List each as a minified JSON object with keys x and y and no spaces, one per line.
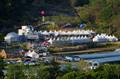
{"x":50,"y":27}
{"x":1,"y":37}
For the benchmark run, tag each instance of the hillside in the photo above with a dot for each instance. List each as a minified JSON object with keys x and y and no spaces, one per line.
{"x":102,"y":15}
{"x":99,"y":15}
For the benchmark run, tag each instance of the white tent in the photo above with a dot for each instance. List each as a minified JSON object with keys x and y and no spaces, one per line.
{"x":104,"y":38}
{"x":50,"y":41}
{"x":45,"y":33}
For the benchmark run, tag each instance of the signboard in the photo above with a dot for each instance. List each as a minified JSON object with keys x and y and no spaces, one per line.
{"x":82,"y":25}
{"x":42,"y":12}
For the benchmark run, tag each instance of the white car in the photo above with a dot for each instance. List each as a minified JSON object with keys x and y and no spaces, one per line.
{"x":76,"y":58}
{"x":68,"y":58}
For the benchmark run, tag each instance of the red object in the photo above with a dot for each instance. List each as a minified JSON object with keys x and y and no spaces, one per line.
{"x":45,"y":43}
{"x":42,"y":12}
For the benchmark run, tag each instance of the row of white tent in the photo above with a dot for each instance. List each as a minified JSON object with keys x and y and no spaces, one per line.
{"x":85,"y":39}
{"x":74,"y":32}
{"x":75,"y":39}
{"x":61,"y":40}
{"x":70,"y":38}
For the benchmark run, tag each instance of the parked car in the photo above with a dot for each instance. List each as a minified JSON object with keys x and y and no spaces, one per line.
{"x":76,"y":58}
{"x":72,"y":58}
{"x":69,"y":58}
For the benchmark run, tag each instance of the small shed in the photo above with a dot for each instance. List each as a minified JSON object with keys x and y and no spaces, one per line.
{"x":3,"y":53}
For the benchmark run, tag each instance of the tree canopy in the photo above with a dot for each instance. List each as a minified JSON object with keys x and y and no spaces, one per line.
{"x":104,"y":14}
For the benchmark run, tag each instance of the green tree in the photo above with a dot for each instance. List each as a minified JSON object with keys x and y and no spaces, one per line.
{"x":15,"y":72}
{"x":2,"y":67}
{"x":43,"y":72}
{"x":1,"y":37}
{"x":104,"y":14}
{"x":83,"y":66}
{"x":69,"y":75}
{"x":81,"y":2}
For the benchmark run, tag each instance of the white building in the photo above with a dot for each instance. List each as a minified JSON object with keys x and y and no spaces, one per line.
{"x":25,"y":30}
{"x":29,"y":32}
{"x":32,"y":54}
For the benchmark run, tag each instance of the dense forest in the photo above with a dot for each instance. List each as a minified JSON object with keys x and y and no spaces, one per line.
{"x":104,"y":15}
{"x":52,"y":72}
{"x":99,"y":15}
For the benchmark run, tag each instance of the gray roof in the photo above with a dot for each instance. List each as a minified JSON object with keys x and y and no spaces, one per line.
{"x":107,"y":60}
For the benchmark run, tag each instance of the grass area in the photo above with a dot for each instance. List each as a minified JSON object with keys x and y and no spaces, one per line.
{"x":92,"y":47}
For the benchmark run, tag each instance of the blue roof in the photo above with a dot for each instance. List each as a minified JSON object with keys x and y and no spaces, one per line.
{"x":99,"y":55}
